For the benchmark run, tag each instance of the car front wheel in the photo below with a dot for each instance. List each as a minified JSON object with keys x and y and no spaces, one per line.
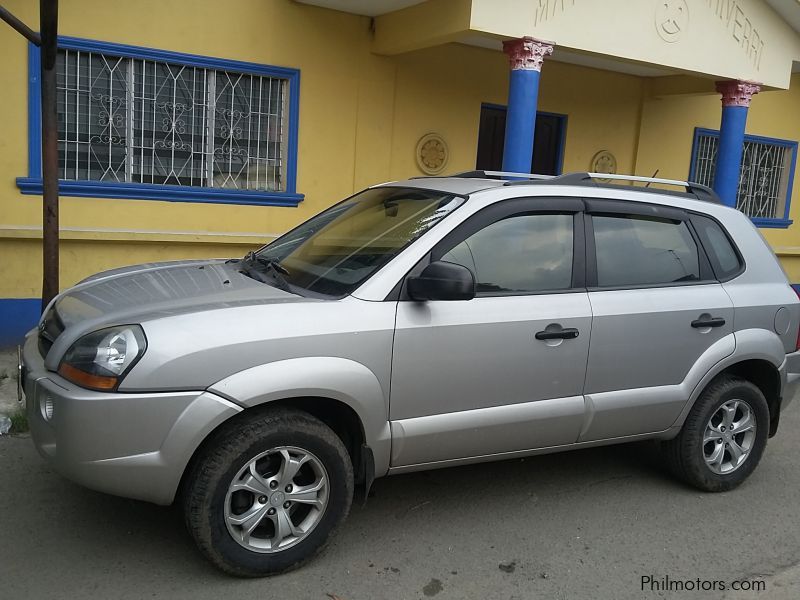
{"x":267,"y":494}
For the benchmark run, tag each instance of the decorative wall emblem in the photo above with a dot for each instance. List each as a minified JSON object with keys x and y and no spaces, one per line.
{"x":603,"y":162}
{"x":672,"y":19}
{"x":432,"y":153}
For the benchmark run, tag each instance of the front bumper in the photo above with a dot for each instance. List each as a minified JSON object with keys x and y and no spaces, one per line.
{"x":135,"y":445}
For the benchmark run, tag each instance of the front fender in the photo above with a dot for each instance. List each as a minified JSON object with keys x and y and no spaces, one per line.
{"x":339,"y":379}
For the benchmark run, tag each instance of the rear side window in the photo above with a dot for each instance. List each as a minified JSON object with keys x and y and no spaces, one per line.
{"x":723,"y":256}
{"x":634,"y":250}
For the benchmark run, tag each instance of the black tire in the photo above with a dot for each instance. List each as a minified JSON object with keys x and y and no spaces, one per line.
{"x":233,"y":447}
{"x":684,"y":454}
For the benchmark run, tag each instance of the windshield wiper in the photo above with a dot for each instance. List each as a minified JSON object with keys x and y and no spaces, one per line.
{"x":259,"y":264}
{"x":254,"y":259}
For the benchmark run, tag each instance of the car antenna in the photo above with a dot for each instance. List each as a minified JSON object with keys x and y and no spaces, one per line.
{"x":652,"y":176}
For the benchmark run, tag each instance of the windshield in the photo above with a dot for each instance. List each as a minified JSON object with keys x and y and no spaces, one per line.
{"x":334,"y":252}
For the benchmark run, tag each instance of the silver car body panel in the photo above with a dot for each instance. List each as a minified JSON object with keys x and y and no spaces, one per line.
{"x":132,"y":445}
{"x":619,"y":413}
{"x":222,"y":341}
{"x":324,"y":377}
{"x":498,"y":430}
{"x":434,"y":384}
{"x":482,"y":458}
{"x":436,"y":348}
{"x":643,"y":349}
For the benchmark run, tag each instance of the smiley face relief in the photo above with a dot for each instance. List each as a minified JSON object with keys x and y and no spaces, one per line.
{"x":672,"y":19}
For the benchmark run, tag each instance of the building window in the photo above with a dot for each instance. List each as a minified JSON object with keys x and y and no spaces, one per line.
{"x":765,"y":183}
{"x":141,"y":123}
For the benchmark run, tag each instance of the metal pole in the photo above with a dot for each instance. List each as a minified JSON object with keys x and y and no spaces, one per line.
{"x":26,"y":31}
{"x":48,"y":14}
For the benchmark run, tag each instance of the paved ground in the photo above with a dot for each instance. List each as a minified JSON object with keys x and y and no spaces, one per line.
{"x":587,"y":524}
{"x":8,"y":382}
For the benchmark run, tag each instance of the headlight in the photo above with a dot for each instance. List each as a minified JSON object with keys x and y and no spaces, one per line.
{"x":100,"y":360}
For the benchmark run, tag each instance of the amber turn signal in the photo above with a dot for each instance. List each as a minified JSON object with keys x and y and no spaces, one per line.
{"x":87,"y":380}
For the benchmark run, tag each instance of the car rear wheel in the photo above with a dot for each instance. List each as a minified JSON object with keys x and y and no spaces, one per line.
{"x":723,"y":437}
{"x":267,"y":494}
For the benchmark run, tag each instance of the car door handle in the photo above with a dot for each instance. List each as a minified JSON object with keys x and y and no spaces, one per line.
{"x":570,"y":333}
{"x":709,"y":322}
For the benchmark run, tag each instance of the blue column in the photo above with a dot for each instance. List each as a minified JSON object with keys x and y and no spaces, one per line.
{"x":526,"y":56}
{"x":523,"y":94}
{"x":736,"y":96}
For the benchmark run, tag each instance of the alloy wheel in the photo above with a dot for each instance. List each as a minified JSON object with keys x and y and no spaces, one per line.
{"x":276,"y":499}
{"x":729,"y":437}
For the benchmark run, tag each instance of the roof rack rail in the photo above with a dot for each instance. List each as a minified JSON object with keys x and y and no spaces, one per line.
{"x":500,"y":175}
{"x":699,"y":191}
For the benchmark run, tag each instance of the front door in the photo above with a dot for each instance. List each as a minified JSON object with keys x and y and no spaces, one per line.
{"x":503,"y":372}
{"x":657,"y":309}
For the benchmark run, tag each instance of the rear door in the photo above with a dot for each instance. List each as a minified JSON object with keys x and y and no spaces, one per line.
{"x":657,"y":309}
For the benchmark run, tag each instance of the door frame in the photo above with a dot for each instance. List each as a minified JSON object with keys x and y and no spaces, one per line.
{"x":500,"y":210}
{"x":623,"y":208}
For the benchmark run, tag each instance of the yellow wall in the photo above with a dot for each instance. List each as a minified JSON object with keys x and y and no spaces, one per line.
{"x":360,"y":118}
{"x":667,"y":132}
{"x":361,"y":115}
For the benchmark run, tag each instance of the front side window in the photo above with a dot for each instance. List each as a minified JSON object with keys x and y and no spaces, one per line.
{"x":764,"y":189}
{"x":526,"y":253}
{"x":333,"y":253}
{"x":633,"y":251}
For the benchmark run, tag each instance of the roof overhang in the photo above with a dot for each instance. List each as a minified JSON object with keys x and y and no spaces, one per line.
{"x":369,"y":8}
{"x":751,"y":40}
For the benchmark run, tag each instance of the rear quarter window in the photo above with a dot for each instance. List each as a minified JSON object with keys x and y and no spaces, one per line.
{"x":724,"y":258}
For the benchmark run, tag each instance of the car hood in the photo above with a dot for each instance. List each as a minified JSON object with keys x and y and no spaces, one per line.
{"x":145,"y":292}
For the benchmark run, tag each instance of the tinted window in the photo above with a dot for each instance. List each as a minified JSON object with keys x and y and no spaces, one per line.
{"x":523,"y":253}
{"x":335,"y":251}
{"x":634,"y":250}
{"x":720,"y":251}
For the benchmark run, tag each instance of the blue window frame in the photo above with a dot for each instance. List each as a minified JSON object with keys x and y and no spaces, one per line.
{"x":767,"y":176}
{"x":151,"y":124}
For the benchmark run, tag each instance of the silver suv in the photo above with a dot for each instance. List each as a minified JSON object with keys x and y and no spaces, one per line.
{"x":418,"y":324}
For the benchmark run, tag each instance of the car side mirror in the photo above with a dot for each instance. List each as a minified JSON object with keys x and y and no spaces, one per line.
{"x":442,"y":280}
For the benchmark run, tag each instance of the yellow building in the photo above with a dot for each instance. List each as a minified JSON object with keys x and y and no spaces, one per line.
{"x":197,"y":129}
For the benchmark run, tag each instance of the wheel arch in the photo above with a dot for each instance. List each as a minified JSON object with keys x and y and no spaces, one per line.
{"x":757,"y":357}
{"x":767,"y":378}
{"x":343,"y":394}
{"x":760,"y":371}
{"x":337,"y":415}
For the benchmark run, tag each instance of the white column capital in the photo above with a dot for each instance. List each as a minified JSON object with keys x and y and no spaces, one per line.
{"x":526,"y":53}
{"x":737,"y":93}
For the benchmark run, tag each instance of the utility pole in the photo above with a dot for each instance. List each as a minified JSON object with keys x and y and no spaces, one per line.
{"x":47,"y":40}
{"x":48,"y":17}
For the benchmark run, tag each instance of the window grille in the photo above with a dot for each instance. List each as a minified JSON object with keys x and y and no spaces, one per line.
{"x":143,"y":121}
{"x":765,"y":176}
